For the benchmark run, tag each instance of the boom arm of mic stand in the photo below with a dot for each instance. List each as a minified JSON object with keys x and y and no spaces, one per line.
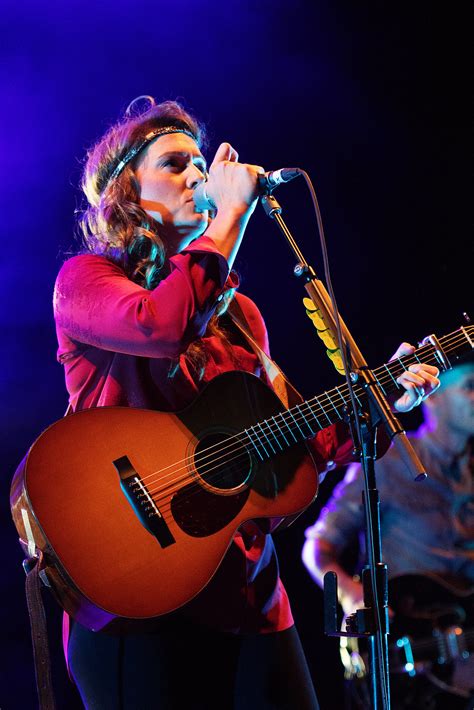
{"x":320,"y":297}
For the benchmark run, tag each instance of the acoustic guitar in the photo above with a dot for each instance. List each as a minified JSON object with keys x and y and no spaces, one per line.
{"x":133,"y":510}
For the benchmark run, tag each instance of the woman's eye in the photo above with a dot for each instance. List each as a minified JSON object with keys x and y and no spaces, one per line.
{"x":171,"y":163}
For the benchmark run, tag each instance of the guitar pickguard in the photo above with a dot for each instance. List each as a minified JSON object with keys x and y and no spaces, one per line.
{"x":200,"y":513}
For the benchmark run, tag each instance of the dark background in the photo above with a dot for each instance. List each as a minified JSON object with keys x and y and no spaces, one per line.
{"x":372,"y":101}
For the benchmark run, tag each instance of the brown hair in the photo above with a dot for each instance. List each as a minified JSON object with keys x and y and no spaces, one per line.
{"x":114,"y":224}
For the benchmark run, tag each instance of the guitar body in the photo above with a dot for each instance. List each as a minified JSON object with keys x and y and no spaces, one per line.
{"x":134,"y":509}
{"x":131,"y":511}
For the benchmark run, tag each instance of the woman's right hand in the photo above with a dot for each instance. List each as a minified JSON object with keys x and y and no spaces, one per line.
{"x":233,"y":186}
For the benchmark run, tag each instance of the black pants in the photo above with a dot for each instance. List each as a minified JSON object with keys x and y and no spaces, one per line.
{"x":190,"y":668}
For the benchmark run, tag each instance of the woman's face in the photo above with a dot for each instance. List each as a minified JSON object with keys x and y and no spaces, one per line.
{"x":168,"y":172}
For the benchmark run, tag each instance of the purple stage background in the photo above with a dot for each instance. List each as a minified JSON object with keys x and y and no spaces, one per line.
{"x":369,"y":100}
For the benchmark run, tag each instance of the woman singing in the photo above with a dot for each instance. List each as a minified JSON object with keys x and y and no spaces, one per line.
{"x":143,"y":321}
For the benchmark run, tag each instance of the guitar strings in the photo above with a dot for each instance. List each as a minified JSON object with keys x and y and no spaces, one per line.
{"x":196,"y":487}
{"x":299,"y":419}
{"x":338,"y":398}
{"x":334,"y":402}
{"x":243,"y":449}
{"x":431,"y":642}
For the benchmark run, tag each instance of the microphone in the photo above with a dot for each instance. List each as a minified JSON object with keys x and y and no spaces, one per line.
{"x":278,"y":177}
{"x":267,"y":182}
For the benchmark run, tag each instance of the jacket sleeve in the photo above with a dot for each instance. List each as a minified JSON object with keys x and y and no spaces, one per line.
{"x":332,"y":447}
{"x":96,"y":304}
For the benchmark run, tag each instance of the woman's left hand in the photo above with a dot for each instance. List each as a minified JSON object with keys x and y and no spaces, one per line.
{"x":420,"y":381}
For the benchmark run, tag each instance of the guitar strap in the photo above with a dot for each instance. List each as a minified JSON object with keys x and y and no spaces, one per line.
{"x":285,"y":391}
{"x":39,"y":631}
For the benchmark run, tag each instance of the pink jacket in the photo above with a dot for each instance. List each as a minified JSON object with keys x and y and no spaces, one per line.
{"x":118,"y":341}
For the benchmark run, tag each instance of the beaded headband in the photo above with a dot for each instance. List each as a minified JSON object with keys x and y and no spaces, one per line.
{"x":135,"y":149}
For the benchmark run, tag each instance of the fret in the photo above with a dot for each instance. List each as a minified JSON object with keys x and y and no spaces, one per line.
{"x":344,"y":403}
{"x":266,"y":437}
{"x":275,"y":437}
{"x":380,"y":384}
{"x":310,"y":412}
{"x":426,"y":352}
{"x":333,"y":405}
{"x":312,"y":433}
{"x":288,"y":426}
{"x":439,"y":360}
{"x":357,"y":396}
{"x":253,"y":443}
{"x":348,"y":402}
{"x":292,"y":416}
{"x":403,"y":366}
{"x":465,"y":336}
{"x":323,"y":410}
{"x":390,"y":373}
{"x":281,"y":431}
{"x":314,"y":415}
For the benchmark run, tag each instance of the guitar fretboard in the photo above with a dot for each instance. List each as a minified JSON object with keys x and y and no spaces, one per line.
{"x":304,"y":420}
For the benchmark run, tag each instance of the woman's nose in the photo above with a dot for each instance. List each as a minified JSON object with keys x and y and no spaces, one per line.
{"x":194,"y":177}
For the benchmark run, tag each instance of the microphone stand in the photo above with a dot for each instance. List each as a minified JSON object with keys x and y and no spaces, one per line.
{"x":371,"y":622}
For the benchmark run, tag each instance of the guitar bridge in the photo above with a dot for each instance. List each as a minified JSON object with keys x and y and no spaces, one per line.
{"x":142,"y":503}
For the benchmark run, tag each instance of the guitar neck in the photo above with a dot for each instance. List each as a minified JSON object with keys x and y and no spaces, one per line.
{"x":304,"y":420}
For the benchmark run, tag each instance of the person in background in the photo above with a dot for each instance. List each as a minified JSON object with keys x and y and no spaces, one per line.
{"x":427,"y":528}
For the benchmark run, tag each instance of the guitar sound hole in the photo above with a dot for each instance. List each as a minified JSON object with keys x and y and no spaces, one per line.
{"x":222,"y":461}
